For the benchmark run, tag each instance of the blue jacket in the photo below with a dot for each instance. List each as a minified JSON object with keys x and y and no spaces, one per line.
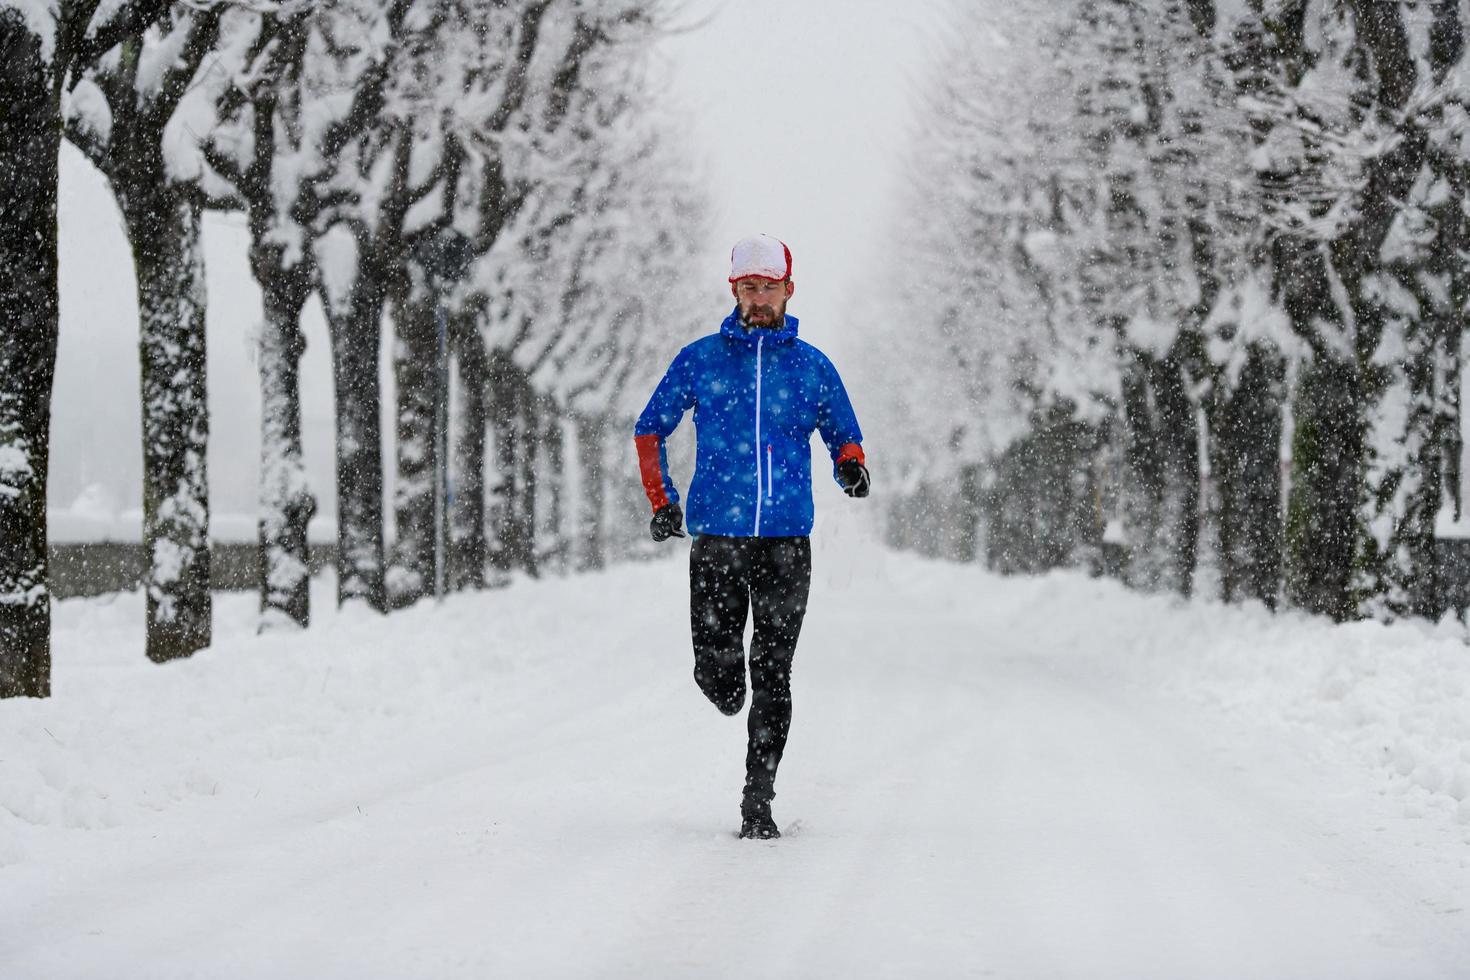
{"x":757,"y":396}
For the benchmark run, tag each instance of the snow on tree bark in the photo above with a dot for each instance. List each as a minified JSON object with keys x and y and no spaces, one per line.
{"x":467,"y":517}
{"x":1421,"y":289}
{"x":30,"y":135}
{"x":163,"y":223}
{"x":411,"y":566}
{"x":512,"y":496}
{"x":1415,"y":435}
{"x":124,"y":124}
{"x":592,"y":502}
{"x":41,"y":45}
{"x":286,"y":501}
{"x":1245,"y":467}
{"x":354,"y":324}
{"x":525,"y":502}
{"x":1161,"y":495}
{"x":553,"y":546}
{"x":1322,"y":512}
{"x":1325,"y":264}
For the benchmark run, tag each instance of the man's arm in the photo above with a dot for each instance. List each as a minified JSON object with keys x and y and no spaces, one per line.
{"x":671,"y":399}
{"x":838,"y":425}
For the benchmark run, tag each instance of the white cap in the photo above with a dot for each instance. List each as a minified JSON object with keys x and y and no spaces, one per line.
{"x":760,"y":255}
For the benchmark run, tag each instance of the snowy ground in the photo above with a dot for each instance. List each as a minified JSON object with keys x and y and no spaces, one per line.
{"x":1011,"y":778}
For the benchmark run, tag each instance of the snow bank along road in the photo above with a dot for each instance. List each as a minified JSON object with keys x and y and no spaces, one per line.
{"x":1009,"y":778}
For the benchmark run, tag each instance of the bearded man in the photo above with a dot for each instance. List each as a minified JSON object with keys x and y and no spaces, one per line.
{"x":758,"y":392}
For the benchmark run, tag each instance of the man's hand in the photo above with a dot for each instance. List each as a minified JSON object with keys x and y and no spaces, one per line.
{"x":668,"y":522}
{"x":853,"y":476}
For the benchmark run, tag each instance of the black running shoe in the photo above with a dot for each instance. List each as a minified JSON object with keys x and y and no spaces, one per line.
{"x":759,"y":828}
{"x":755,"y":812}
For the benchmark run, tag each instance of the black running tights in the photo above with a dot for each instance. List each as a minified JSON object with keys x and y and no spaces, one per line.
{"x":727,"y":578}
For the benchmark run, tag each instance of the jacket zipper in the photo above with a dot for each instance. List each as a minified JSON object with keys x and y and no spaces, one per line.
{"x":758,"y":342}
{"x":770,"y":475}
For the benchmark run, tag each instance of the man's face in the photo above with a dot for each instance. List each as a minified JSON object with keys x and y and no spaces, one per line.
{"x":762,"y":301}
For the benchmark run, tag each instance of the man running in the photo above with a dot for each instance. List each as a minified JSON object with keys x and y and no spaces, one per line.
{"x":758,"y":393}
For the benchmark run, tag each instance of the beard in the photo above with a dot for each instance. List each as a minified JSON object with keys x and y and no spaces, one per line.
{"x":763,"y":315}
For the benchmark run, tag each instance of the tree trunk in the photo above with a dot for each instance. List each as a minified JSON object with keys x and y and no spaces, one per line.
{"x":1326,"y":292}
{"x":591,"y":524}
{"x":554,"y":483}
{"x":467,"y":518}
{"x":1039,"y":506}
{"x":1245,"y":467}
{"x":969,"y":529}
{"x":513,"y":511}
{"x":500,"y":486}
{"x":1414,"y":440}
{"x":1161,"y":496}
{"x":1326,"y":478}
{"x":1323,"y":530}
{"x":1179,"y":424}
{"x":1411,"y":440}
{"x":286,"y":502}
{"x":527,"y":428}
{"x":411,"y":568}
{"x":163,"y":225}
{"x":354,"y":326}
{"x":30,"y":135}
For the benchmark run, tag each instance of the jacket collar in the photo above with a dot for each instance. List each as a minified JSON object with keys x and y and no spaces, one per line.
{"x":735,"y":330}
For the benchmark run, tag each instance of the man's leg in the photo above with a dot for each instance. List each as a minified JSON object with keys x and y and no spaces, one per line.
{"x":719,"y":590}
{"x":781,"y":575}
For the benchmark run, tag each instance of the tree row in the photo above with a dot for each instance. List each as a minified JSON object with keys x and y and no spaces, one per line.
{"x":494,"y":183}
{"x":1193,"y":285}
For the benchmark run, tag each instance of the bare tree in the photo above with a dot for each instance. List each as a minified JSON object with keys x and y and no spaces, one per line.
{"x":41,"y":48}
{"x":314,"y":91}
{"x":135,"y":115}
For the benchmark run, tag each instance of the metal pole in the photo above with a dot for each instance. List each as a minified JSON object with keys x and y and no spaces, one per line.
{"x":441,"y":448}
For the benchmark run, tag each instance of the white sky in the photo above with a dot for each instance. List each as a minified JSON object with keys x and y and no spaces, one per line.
{"x":799,"y":111}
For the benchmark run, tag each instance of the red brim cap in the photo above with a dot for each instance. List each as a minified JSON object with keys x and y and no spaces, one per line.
{"x":760,"y":255}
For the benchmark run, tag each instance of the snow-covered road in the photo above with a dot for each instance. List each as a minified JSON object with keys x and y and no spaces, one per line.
{"x":986,"y":777}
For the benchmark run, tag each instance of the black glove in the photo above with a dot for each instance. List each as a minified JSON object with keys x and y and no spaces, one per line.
{"x":853,"y":476}
{"x":667,"y":522}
